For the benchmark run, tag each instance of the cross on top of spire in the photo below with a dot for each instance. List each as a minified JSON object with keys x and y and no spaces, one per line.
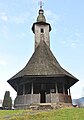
{"x":41,"y":4}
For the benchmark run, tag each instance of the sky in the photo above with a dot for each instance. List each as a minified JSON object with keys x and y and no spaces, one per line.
{"x":66,"y":18}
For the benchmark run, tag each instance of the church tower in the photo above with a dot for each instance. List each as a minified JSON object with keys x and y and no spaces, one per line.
{"x":41,"y":29}
{"x":42,"y":80}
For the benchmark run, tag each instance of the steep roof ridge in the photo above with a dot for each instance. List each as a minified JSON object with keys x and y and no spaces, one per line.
{"x":42,"y":62}
{"x":55,"y":63}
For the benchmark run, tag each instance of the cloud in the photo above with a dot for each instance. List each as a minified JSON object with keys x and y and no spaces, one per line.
{"x":34,"y":1}
{"x":3,"y":17}
{"x":77,"y":34}
{"x":72,"y":39}
{"x":2,"y":62}
{"x":5,"y":32}
{"x":53,"y":18}
{"x":20,"y":18}
{"x":21,"y":35}
{"x":37,"y":1}
{"x":68,"y":41}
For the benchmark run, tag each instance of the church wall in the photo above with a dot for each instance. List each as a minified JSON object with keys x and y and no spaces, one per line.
{"x":35,"y":98}
{"x":42,"y":35}
{"x":55,"y":98}
{"x":60,"y":98}
{"x":47,"y":37}
{"x":48,"y":98}
{"x":37,"y":36}
{"x":23,"y":101}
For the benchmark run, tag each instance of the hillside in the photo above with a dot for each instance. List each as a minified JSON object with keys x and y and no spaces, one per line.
{"x":79,"y":102}
{"x":58,"y":114}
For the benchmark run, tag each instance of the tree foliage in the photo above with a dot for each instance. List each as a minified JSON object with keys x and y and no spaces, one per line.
{"x":7,"y":102}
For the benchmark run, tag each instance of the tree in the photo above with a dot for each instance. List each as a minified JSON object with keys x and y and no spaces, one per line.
{"x":7,"y":102}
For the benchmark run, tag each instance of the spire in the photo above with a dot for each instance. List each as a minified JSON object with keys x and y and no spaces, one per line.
{"x":41,"y":17}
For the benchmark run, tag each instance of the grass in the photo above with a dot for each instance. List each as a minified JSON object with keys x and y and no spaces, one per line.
{"x":59,"y":114}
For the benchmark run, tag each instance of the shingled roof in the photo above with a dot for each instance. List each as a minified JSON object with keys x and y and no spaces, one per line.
{"x":41,"y":63}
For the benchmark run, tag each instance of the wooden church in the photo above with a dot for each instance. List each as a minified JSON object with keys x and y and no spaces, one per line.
{"x":42,"y":80}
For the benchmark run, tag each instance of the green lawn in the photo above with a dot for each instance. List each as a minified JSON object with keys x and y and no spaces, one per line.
{"x":59,"y":114}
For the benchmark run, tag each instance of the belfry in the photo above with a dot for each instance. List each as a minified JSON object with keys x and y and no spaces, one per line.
{"x":42,"y":80}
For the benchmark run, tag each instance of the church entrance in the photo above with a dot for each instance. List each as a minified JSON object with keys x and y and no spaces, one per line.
{"x":42,"y":97}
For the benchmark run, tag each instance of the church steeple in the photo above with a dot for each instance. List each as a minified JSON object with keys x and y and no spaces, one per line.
{"x":41,"y":17}
{"x":41,"y":29}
